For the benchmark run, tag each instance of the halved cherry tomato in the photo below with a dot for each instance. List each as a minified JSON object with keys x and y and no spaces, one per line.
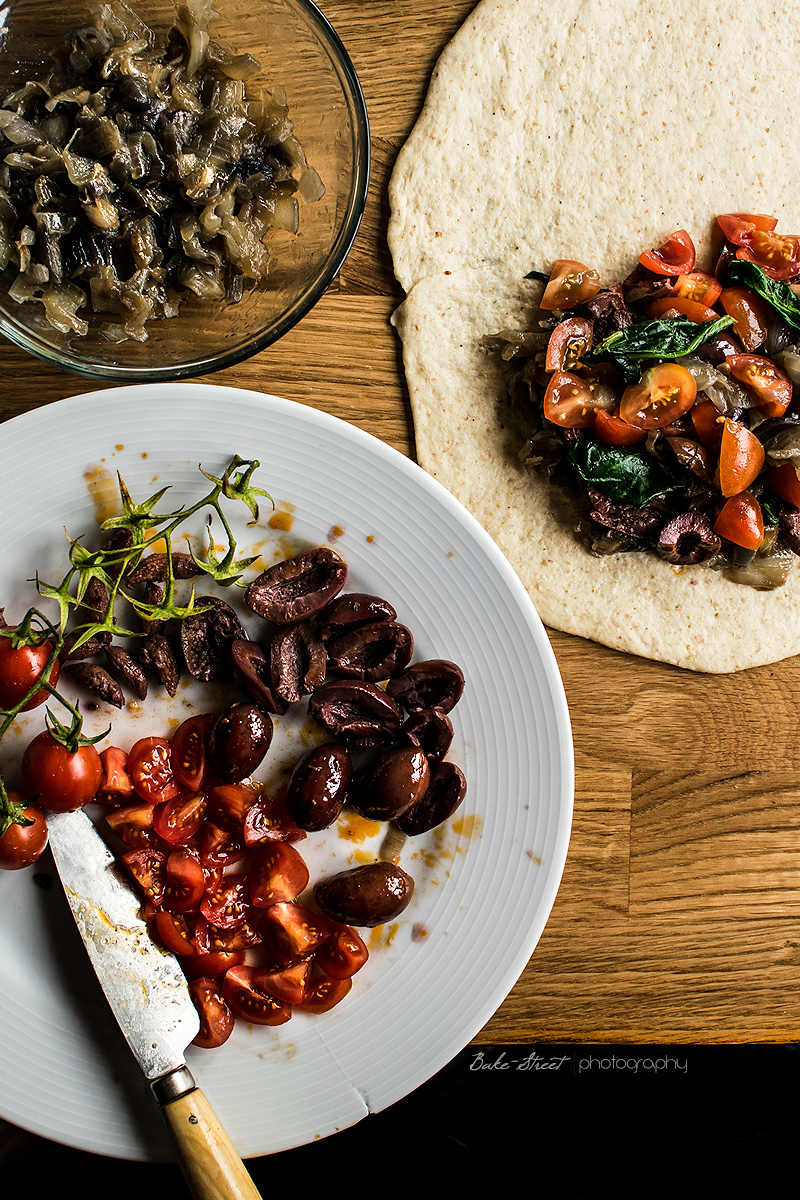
{"x":778,"y":255}
{"x":185,"y":885}
{"x":216,"y":1019}
{"x":741,"y":521}
{"x":248,"y":1002}
{"x":58,"y":779}
{"x":227,"y":905}
{"x":179,"y":819}
{"x":288,"y":986}
{"x":220,"y":846}
{"x":569,"y":402}
{"x":741,"y":458}
{"x":706,"y":419}
{"x":770,"y":383}
{"x":699,"y":286}
{"x":612,"y":431}
{"x":784,"y":482}
{"x":670,"y":306}
{"x":211,"y":940}
{"x":750,"y":314}
{"x":174,"y":932}
{"x":277,"y":873}
{"x":322,"y":994}
{"x":20,"y":668}
{"x":133,"y":824}
{"x":570,"y":283}
{"x":116,"y":786}
{"x":229,"y":803}
{"x":188,"y":750}
{"x":343,"y":954}
{"x":291,"y":932}
{"x":148,"y":869}
{"x":150,"y":768}
{"x":22,"y":845}
{"x":268,"y":820}
{"x":736,"y":225}
{"x":213,"y":965}
{"x":675,"y":257}
{"x":664,"y":393}
{"x":568,"y":343}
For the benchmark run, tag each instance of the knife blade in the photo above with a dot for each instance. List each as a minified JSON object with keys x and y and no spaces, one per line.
{"x":149,"y":996}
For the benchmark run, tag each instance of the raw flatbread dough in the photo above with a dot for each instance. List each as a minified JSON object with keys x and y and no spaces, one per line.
{"x":531,"y":147}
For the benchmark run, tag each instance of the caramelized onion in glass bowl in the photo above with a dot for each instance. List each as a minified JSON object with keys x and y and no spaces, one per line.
{"x":178,"y":187}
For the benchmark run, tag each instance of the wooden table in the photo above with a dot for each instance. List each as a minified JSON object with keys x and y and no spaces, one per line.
{"x":677,"y":915}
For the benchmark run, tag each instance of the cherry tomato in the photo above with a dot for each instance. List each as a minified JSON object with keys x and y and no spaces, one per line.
{"x":148,"y":870}
{"x":22,"y":845}
{"x":213,"y":965}
{"x":741,"y":458}
{"x":322,"y":994}
{"x":133,"y":824}
{"x":188,"y":751}
{"x":277,"y":873}
{"x":784,"y":483}
{"x":570,"y":283}
{"x":681,"y":306}
{"x":707,"y":423}
{"x":62,"y":781}
{"x":288,"y":986}
{"x":750,"y":314}
{"x":211,"y":940}
{"x":227,"y":905}
{"x":612,"y":431}
{"x":569,"y":402}
{"x":664,"y":393}
{"x":741,"y":521}
{"x":568,"y":342}
{"x":185,"y":881}
{"x":229,"y":803}
{"x":770,"y":383}
{"x":248,"y":1002}
{"x":20,"y":668}
{"x":736,"y":225}
{"x":150,"y":768}
{"x":343,"y":954}
{"x":220,"y":846}
{"x":291,"y":932}
{"x":179,"y":819}
{"x":778,"y":255}
{"x":696,"y":285}
{"x":216,"y":1019}
{"x":675,"y":257}
{"x":116,"y":786}
{"x":174,"y":932}
{"x":268,"y":820}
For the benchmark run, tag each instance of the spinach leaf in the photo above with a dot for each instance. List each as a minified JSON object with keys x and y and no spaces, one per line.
{"x":659,"y":338}
{"x":779,"y":295}
{"x":630,"y":475}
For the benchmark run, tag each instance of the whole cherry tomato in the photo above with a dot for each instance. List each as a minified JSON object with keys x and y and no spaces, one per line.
{"x":61,"y":780}
{"x":20,"y":668}
{"x":22,"y":845}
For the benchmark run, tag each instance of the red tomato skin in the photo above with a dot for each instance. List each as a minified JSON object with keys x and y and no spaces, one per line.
{"x":185,"y":881}
{"x":291,"y":932}
{"x":570,"y":283}
{"x":323,"y":994}
{"x":675,"y":257}
{"x":613,"y":431}
{"x":740,"y":521}
{"x":741,"y":458}
{"x":705,"y":418}
{"x":343,"y":954}
{"x":150,"y":768}
{"x":784,"y":483}
{"x":174,"y":932}
{"x":226,"y":907}
{"x":735,"y":226}
{"x":133,"y":824}
{"x":697,"y":285}
{"x":216,"y":1019}
{"x":116,"y":786}
{"x":19,"y":670}
{"x":188,"y":751}
{"x":664,"y":393}
{"x":770,"y":383}
{"x":177,"y":820}
{"x":287,"y":986}
{"x":248,"y":1002}
{"x":278,"y":873}
{"x":569,"y":401}
{"x":214,"y":965}
{"x":568,"y":342}
{"x":23,"y":845}
{"x":683,"y":305}
{"x":62,"y":782}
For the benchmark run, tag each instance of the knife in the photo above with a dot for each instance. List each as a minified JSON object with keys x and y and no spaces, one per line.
{"x":149,"y":996}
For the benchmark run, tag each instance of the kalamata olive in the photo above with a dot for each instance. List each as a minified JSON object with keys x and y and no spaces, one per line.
{"x":434,"y":683}
{"x":239,"y":740}
{"x":319,"y":786}
{"x":688,"y":538}
{"x":156,"y":652}
{"x":126,"y":670}
{"x":298,"y":661}
{"x":251,"y":670}
{"x":353,"y":608}
{"x":97,"y":681}
{"x":431,"y":729}
{"x":446,"y":790}
{"x":156,"y":567}
{"x":391,"y":783}
{"x":207,"y":637}
{"x":298,"y":587}
{"x":355,"y":710}
{"x":375,"y":651}
{"x":368,"y":895}
{"x":133,"y":93}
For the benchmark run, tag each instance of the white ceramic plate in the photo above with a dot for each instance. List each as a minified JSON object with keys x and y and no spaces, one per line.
{"x":485,"y":882}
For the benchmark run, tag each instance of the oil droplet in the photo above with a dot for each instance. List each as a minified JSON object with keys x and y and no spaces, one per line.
{"x":383,"y":935}
{"x":159,"y":546}
{"x":281,"y":520}
{"x":418,"y":932}
{"x":119,"y":446}
{"x":102,"y":488}
{"x":335,"y":532}
{"x":355,"y":828}
{"x":469,"y":827}
{"x":370,"y":537}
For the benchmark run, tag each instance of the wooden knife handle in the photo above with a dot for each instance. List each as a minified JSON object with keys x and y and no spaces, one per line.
{"x":213,"y":1169}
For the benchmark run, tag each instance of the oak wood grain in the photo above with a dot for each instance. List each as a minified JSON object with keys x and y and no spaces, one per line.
{"x":677,"y":917}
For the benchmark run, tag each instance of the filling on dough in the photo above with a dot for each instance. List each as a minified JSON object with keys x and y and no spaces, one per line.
{"x":665,"y":409}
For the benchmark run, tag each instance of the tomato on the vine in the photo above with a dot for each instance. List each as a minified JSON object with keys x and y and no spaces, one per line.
{"x":150,"y":768}
{"x":20,"y":669}
{"x":22,"y":845}
{"x":664,"y":393}
{"x":60,"y":779}
{"x":675,"y":257}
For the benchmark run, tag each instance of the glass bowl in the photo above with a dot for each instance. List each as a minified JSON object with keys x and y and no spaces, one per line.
{"x":299,"y":52}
